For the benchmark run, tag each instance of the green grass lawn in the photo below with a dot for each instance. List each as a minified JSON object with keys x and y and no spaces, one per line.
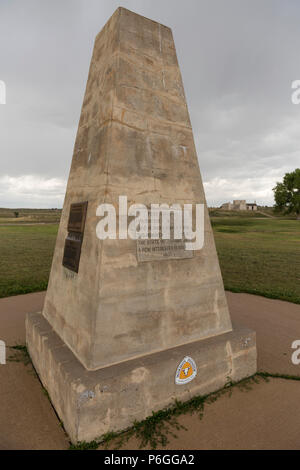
{"x":25,"y":257}
{"x":259,"y":256}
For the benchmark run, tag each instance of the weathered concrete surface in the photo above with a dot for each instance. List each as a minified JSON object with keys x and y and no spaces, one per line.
{"x":91,"y":403}
{"x":276,"y":323}
{"x":265,"y":417}
{"x":134,"y":139}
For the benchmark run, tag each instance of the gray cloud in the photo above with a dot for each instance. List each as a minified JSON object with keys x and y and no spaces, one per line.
{"x":238,"y":59}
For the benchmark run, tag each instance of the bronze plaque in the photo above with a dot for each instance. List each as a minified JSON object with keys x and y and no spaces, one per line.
{"x":77,"y":217}
{"x":72,"y":252}
{"x":74,"y":239}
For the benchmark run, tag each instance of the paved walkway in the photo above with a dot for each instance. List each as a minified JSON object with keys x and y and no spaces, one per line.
{"x":265,"y":417}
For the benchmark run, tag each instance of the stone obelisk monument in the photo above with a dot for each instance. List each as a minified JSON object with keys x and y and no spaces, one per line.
{"x":127,"y":328}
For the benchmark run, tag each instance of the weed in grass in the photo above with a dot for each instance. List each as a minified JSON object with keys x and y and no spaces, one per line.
{"x":82,"y":445}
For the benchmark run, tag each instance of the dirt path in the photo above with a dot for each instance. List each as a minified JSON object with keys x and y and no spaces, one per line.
{"x":277,"y":325}
{"x":265,"y":417}
{"x":266,"y":215}
{"x":27,"y":420}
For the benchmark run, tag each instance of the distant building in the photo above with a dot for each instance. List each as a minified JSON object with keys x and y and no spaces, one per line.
{"x":239,"y":205}
{"x":252,"y":206}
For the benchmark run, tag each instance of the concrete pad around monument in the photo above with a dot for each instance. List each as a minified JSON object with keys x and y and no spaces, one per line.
{"x":93,"y":403}
{"x":27,"y":420}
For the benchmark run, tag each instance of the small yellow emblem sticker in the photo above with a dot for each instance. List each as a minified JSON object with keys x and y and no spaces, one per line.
{"x":186,"y":371}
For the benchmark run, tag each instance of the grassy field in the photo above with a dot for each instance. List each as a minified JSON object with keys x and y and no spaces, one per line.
{"x":260,"y":256}
{"x":26,"y":255}
{"x":257,"y":255}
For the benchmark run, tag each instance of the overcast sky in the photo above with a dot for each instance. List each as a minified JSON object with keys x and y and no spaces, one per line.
{"x":238,"y":59}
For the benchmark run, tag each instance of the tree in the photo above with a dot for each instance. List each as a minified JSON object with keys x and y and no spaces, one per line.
{"x":287,"y":194}
{"x":16,"y":214}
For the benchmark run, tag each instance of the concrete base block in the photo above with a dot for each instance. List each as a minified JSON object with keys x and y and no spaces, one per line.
{"x":91,"y":403}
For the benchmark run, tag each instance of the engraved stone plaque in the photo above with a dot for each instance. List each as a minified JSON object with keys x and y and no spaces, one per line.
{"x":72,"y":252}
{"x":159,"y":249}
{"x":151,"y":250}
